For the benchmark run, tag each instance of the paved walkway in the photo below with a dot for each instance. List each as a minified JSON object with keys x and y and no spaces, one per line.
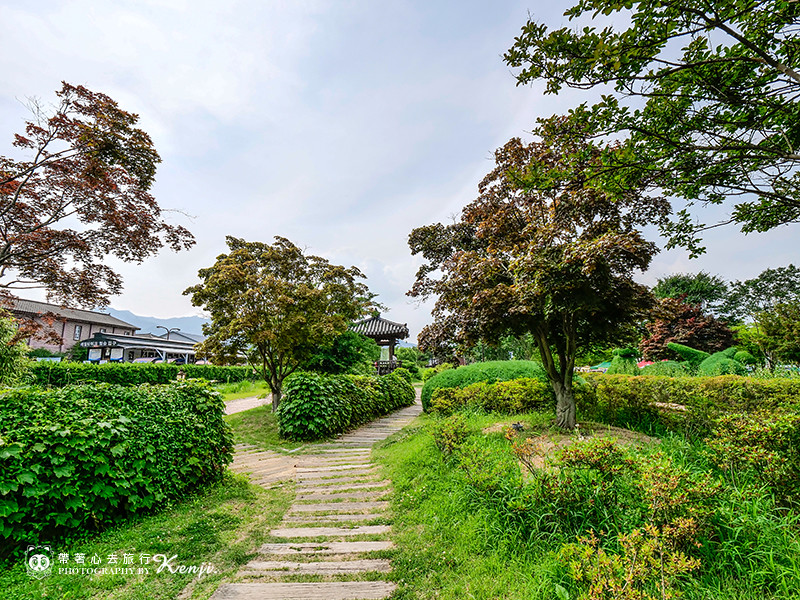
{"x":325,"y":547}
{"x":242,"y":404}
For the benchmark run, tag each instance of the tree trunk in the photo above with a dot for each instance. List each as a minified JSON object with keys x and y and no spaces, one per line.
{"x":276,"y":395}
{"x":565,"y":406}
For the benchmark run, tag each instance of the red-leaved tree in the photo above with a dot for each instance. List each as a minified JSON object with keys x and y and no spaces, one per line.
{"x":78,"y":193}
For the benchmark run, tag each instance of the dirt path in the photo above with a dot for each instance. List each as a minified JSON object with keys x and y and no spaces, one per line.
{"x":325,"y":547}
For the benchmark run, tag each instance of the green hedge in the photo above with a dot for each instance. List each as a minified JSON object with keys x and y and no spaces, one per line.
{"x":499,"y":370}
{"x":627,"y":400}
{"x":317,"y":406}
{"x":516,"y":396}
{"x":59,"y":374}
{"x":79,"y":458}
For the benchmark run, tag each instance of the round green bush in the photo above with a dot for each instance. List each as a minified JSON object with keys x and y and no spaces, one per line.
{"x":498,"y":370}
{"x":719,"y":364}
{"x":744,"y":357}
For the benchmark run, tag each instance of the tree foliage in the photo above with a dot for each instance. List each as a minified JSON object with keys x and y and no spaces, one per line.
{"x":276,"y":304}
{"x":779,"y":330}
{"x":13,"y":352}
{"x":704,"y":95}
{"x":539,"y":251}
{"x":680,"y":323}
{"x":748,"y":298}
{"x":700,"y":289}
{"x":347,"y":351}
{"x":80,"y":194}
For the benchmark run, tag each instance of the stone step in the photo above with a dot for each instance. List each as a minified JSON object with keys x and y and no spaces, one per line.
{"x":341,"y":590}
{"x":335,"y":469}
{"x":330,"y":488}
{"x":340,"y":507}
{"x":334,"y":496}
{"x":312,"y":519}
{"x":340,"y":567}
{"x":290,"y":532}
{"x":328,"y":479}
{"x":290,"y":548}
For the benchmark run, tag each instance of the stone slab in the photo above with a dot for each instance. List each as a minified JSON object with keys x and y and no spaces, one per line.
{"x":290,"y":532}
{"x":290,"y":548}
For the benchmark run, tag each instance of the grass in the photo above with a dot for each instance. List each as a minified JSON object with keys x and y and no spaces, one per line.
{"x":259,"y":427}
{"x":456,"y":541}
{"x":243,"y":389}
{"x":222,"y":526}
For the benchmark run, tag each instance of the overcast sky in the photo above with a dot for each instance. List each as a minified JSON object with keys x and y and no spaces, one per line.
{"x":340,"y":125}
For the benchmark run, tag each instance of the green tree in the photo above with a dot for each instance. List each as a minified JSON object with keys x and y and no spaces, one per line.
{"x":276,"y":305}
{"x":13,"y":352}
{"x":780,"y":333}
{"x":82,"y":194}
{"x":748,"y":298}
{"x":702,"y":95}
{"x":701,"y":289}
{"x":540,"y":251}
{"x":347,"y":351}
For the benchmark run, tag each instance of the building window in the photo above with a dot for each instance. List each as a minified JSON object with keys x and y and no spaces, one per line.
{"x":77,"y":334}
{"x":102,"y":330}
{"x":127,"y":333}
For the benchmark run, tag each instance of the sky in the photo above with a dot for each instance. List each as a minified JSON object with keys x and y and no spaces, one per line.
{"x":340,"y":125}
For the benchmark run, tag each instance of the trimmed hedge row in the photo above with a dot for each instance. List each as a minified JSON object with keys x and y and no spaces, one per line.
{"x":518,"y":395}
{"x":690,"y":404}
{"x":59,"y":374}
{"x":80,"y":458}
{"x":498,"y":370}
{"x":317,"y":406}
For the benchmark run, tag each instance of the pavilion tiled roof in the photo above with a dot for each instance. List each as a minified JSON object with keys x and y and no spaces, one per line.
{"x":32,"y":307}
{"x":376,"y":327}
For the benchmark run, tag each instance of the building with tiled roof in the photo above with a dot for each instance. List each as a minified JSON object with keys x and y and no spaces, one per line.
{"x":385,"y":333}
{"x":69,"y":325}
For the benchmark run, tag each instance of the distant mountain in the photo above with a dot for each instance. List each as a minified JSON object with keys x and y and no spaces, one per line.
{"x":192,"y":325}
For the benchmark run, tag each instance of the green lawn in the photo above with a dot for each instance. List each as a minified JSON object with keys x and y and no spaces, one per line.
{"x":243,"y":389}
{"x":259,"y":427}
{"x":221,"y":526}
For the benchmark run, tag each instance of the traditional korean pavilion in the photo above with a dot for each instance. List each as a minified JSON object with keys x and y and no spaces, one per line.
{"x":385,"y":333}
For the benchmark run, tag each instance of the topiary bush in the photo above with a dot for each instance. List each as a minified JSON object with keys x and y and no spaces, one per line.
{"x":59,"y":374}
{"x":500,"y":370}
{"x":80,"y":458}
{"x":625,"y":361}
{"x":690,"y":355}
{"x":720,"y":363}
{"x":317,"y":406}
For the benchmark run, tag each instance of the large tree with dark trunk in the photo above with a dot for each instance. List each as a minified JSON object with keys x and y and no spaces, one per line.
{"x":540,"y":251}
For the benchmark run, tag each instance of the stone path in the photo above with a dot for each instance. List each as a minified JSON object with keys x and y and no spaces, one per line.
{"x":242,"y":404}
{"x":325,"y":548}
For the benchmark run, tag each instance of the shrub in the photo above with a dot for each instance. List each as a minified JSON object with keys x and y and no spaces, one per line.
{"x":65,"y":373}
{"x":720,"y":363}
{"x":404,"y":373}
{"x":767,"y":444}
{"x":623,"y":364}
{"x":744,"y":357}
{"x":428,"y":373}
{"x":665,"y":368}
{"x":515,"y":396}
{"x":631,"y":401}
{"x":449,"y":434}
{"x":14,"y":362}
{"x":317,"y":406}
{"x":501,"y":370}
{"x":690,"y":355}
{"x":79,"y":458}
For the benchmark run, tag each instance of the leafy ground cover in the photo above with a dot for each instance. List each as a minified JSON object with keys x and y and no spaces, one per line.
{"x":221,"y":526}
{"x":472,"y":522}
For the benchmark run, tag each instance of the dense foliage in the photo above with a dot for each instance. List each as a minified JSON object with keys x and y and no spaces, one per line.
{"x":277,"y":305}
{"x":680,"y":323}
{"x":14,"y":361}
{"x":318,"y":406}
{"x":698,"y":289}
{"x":59,"y":374}
{"x":345,"y":354}
{"x":81,"y":195}
{"x":509,"y":397}
{"x":501,"y":370}
{"x":79,"y":458}
{"x":542,"y":250}
{"x":701,"y":96}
